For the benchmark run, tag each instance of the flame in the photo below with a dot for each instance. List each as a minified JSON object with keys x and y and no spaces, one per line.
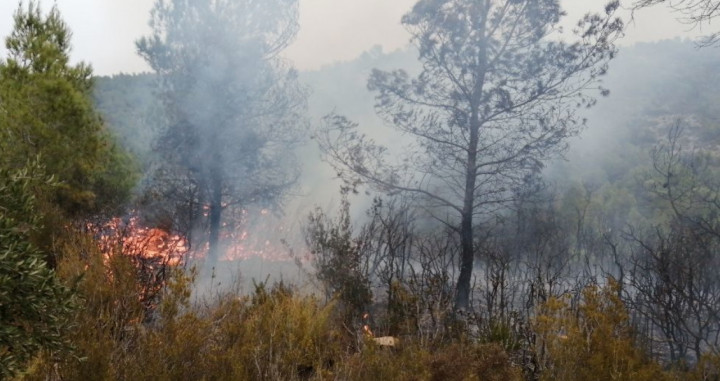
{"x":251,"y":234}
{"x":366,"y":326}
{"x":367,"y":331}
{"x":129,"y":237}
{"x":151,"y":250}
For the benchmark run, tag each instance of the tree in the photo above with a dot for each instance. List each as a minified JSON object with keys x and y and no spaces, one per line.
{"x":695,"y":12}
{"x":497,"y":95}
{"x":46,"y":111}
{"x":673,"y":282}
{"x":234,"y":108}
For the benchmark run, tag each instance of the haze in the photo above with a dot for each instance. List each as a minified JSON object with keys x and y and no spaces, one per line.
{"x":330,"y":30}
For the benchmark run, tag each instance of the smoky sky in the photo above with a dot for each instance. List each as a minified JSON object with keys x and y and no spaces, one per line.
{"x":104,"y":31}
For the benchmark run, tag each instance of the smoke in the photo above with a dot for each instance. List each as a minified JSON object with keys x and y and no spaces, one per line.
{"x":233,"y":113}
{"x":652,"y":86}
{"x":637,"y":79}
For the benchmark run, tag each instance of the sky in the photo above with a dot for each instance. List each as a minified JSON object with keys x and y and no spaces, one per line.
{"x":104,"y":31}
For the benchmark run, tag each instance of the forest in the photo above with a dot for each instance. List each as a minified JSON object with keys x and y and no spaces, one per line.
{"x":502,"y":199}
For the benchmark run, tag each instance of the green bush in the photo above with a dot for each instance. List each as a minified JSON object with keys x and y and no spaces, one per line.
{"x":34,"y":305}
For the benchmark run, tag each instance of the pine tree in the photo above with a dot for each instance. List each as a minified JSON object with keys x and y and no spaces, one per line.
{"x":46,"y":111}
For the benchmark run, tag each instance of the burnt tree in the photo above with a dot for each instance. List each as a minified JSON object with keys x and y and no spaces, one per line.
{"x":497,"y":95}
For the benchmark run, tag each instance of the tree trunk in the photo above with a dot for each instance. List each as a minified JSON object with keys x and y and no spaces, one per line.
{"x":467,"y":255}
{"x":215,"y":220}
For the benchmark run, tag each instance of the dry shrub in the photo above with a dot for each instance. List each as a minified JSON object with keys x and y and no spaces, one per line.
{"x":593,"y":341}
{"x":270,"y":335}
{"x":487,"y":362}
{"x":706,"y":369}
{"x":405,"y":362}
{"x":283,"y":336}
{"x":108,"y":309}
{"x":410,"y":361}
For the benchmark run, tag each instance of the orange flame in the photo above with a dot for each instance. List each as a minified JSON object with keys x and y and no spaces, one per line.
{"x":131,"y":238}
{"x":247,"y":237}
{"x":151,"y":250}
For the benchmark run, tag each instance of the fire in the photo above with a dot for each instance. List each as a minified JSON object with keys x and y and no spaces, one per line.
{"x":366,"y":325}
{"x":151,"y":250}
{"x":249,"y":235}
{"x":243,"y":236}
{"x":129,"y":237}
{"x":383,"y":341}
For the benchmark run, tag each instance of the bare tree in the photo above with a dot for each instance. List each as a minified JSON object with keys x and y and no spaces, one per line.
{"x":674,"y":286}
{"x":497,"y":95}
{"x":673,"y":281}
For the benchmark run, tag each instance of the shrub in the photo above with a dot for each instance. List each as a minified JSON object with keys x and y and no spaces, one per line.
{"x":593,"y":342}
{"x":34,"y":304}
{"x":412,"y":361}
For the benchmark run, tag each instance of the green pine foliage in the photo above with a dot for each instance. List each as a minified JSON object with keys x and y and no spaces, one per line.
{"x":133,"y":113}
{"x":46,"y":110}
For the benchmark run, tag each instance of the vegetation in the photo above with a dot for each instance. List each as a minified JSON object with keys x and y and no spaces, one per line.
{"x":594,"y":341}
{"x":594,"y":271}
{"x":47,"y":112}
{"x":35,"y":306}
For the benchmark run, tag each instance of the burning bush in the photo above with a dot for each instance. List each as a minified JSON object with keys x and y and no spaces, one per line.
{"x":151,"y":251}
